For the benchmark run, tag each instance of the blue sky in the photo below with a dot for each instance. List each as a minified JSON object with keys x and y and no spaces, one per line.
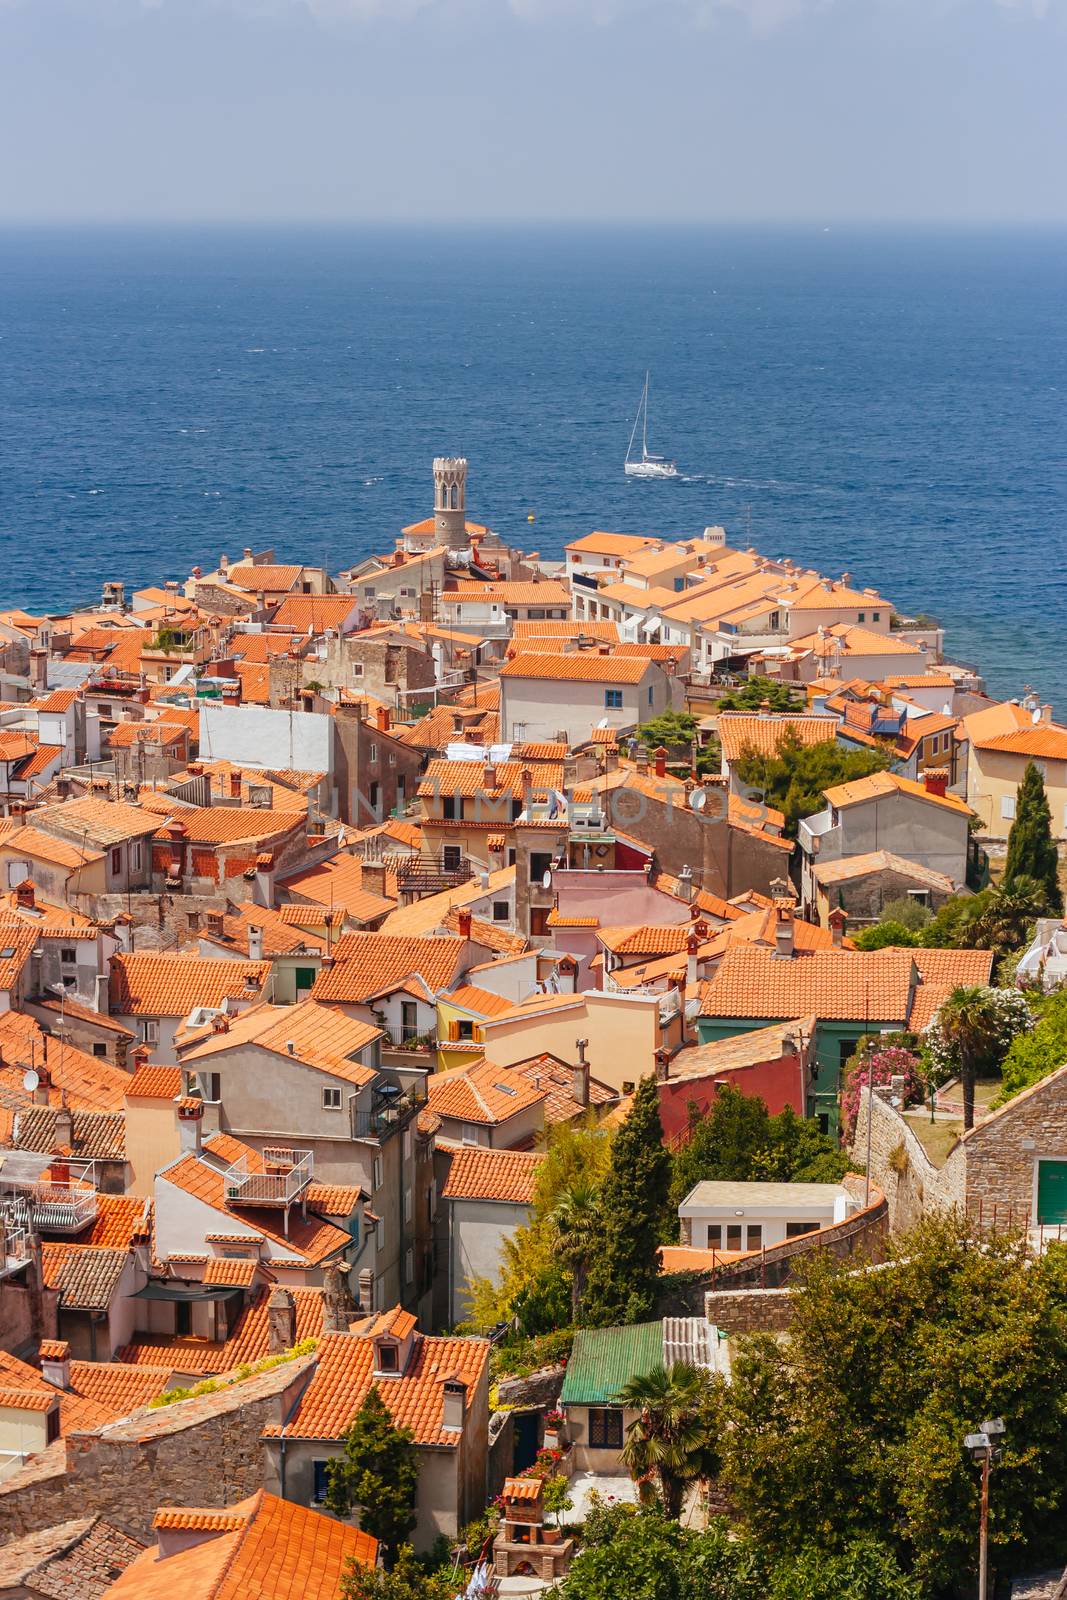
{"x":698,"y":110}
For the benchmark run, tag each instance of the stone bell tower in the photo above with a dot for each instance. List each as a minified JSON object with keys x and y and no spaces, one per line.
{"x":450,"y":501}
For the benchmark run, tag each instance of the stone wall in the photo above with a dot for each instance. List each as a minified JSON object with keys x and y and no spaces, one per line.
{"x":749,"y":1310}
{"x":900,"y":1167}
{"x":541,"y":1388}
{"x":1000,"y":1155}
{"x":201,"y":1452}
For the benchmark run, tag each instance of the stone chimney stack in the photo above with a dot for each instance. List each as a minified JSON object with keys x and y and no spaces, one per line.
{"x":663,"y":1065}
{"x":685,"y":884}
{"x":281,"y":1321}
{"x":255,"y":943}
{"x":580,"y":1088}
{"x":450,"y":501}
{"x":692,"y":948}
{"x":65,"y":1126}
{"x":784,"y":908}
{"x":366,"y":1290}
{"x":337,"y":1308}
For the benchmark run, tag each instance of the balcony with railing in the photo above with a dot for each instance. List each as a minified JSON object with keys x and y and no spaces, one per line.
{"x":391,"y":1109}
{"x":411,"y":1038}
{"x":61,"y":1206}
{"x":429,"y":874}
{"x":278,"y":1179}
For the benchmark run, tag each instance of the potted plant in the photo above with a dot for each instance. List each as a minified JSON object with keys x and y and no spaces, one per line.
{"x":555,"y":1423}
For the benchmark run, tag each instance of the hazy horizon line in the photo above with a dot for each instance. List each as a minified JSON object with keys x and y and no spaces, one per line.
{"x":453,"y":224}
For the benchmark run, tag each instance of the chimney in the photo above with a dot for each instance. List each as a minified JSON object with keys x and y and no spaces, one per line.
{"x":235,"y":785}
{"x":366,"y":1290}
{"x":641,"y":762}
{"x":692,"y":946}
{"x":337,"y":1307}
{"x":255,"y":944}
{"x":685,"y":884}
{"x":489,"y":777}
{"x":190,"y":1124}
{"x":281,"y":1321}
{"x":101,"y":997}
{"x":784,"y":907}
{"x":25,"y":895}
{"x":1046,"y":714}
{"x":65,"y":1126}
{"x":580,"y":1086}
{"x":54,"y":1355}
{"x":765,"y":708}
{"x":381,"y":717}
{"x":39,"y":669}
{"x":837,"y":920}
{"x":935,"y":780}
{"x":455,"y":1405}
{"x":372,"y":878}
{"x":663,"y":1065}
{"x":464,"y":922}
{"x":526,"y":778}
{"x":660,"y":756}
{"x":567,"y":972}
{"x":124,"y":934}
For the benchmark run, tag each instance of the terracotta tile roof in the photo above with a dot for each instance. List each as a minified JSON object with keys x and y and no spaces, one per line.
{"x":16,"y":943}
{"x":845,"y":985}
{"x":577,"y":668}
{"x":504,"y":1175}
{"x":155,"y":1083}
{"x":89,"y":1084}
{"x":395,"y":1321}
{"x":276,"y":1551}
{"x":118,"y":1387}
{"x":993,"y":720}
{"x":541,"y":592}
{"x":76,"y":1560}
{"x":258,"y":577}
{"x":309,"y":1242}
{"x":95,"y":1135}
{"x":82,"y":1013}
{"x":37,"y":845}
{"x":125,"y":735}
{"x":941,"y":971}
{"x":712,"y":905}
{"x":153,"y":985}
{"x":334,"y":1199}
{"x":118,"y":1218}
{"x":369,"y":964}
{"x":233,"y":1274}
{"x":739,"y":732}
{"x":742,"y":1050}
{"x":416,"y":1399}
{"x":566,"y":630}
{"x":86,"y":1275}
{"x":226,"y":824}
{"x":98,"y":822}
{"x":27,"y":1399}
{"x":74,"y":1411}
{"x":315,"y":611}
{"x":1045,"y":741}
{"x":645,"y":940}
{"x":322,"y":1037}
{"x":337,"y":884}
{"x":880,"y":784}
{"x":481,"y":1093}
{"x":554,"y":920}
{"x":491,"y":935}
{"x":613,"y":544}
{"x":248,"y":1341}
{"x":431,"y":913}
{"x":521,"y":1488}
{"x":481,"y":1001}
{"x":920,"y":680}
{"x":872,"y":861}
{"x":553,"y":1078}
{"x":857,"y":642}
{"x":467,"y":778}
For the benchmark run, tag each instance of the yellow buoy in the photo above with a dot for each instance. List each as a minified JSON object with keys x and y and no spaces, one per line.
{"x":531,"y":517}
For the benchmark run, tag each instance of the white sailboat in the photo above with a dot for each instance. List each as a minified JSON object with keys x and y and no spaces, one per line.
{"x":646,"y":465}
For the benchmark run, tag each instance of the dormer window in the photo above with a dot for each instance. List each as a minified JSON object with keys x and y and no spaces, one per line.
{"x":388,"y":1357}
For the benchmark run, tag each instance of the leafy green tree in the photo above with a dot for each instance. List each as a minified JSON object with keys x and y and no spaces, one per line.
{"x":1031,"y":847}
{"x":576,"y":1217}
{"x":556,"y":1493}
{"x":376,"y":1474}
{"x":671,"y":1440}
{"x":408,"y":1580}
{"x":800,"y":1153}
{"x":635,"y":1212}
{"x":751,"y":695}
{"x":670,"y":728}
{"x":1040,"y":1050}
{"x":793,"y":779}
{"x":853,"y":1428}
{"x":906,"y":910}
{"x":736,"y":1141}
{"x":885,"y":936}
{"x":948,"y":927}
{"x":1005,"y":919}
{"x":866,"y":1570}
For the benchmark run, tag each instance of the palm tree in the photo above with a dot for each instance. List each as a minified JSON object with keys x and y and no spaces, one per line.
{"x":1006,"y":919}
{"x":671,"y":1437}
{"x":576,"y":1220}
{"x":969,"y":1021}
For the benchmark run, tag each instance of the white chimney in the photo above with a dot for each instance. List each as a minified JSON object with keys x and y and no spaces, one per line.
{"x":455,"y":1405}
{"x":255,"y":944}
{"x":55,"y":1362}
{"x":190,"y":1124}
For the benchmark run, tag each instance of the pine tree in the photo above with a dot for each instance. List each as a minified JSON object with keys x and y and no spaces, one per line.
{"x":1031,"y":847}
{"x":635,"y":1208}
{"x":376,"y":1474}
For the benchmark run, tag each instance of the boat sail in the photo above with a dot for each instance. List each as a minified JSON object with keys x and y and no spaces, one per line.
{"x":646,"y":465}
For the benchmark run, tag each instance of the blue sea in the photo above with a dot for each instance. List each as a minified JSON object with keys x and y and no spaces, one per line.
{"x":883,"y":402}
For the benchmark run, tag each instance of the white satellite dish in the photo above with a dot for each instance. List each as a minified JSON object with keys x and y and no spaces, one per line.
{"x":546,"y":881}
{"x":698,"y":799}
{"x":30,"y":1081}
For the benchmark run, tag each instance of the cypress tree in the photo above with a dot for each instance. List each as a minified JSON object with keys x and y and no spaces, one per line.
{"x":635,"y":1207}
{"x":1031,"y":847}
{"x":376,"y":1474}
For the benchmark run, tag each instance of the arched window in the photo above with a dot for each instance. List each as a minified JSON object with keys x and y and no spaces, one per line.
{"x":455,"y":496}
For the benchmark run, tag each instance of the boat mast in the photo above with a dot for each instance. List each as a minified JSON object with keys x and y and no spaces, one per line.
{"x":644,"y":422}
{"x":633,"y":430}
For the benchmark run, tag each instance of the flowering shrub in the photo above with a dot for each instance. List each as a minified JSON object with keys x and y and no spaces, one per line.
{"x":554,"y":1417}
{"x":1011,"y":1016}
{"x":875,"y":1067}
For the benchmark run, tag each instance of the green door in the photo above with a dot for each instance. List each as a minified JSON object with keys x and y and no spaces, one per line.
{"x":1052,"y":1192}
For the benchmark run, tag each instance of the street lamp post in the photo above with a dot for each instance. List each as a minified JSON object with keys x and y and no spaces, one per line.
{"x":985,"y":1453}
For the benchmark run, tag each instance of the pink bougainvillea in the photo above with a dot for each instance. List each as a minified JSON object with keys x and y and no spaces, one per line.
{"x":880,"y":1066}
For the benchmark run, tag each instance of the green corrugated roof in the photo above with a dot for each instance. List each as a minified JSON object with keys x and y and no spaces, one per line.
{"x":603,"y":1359}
